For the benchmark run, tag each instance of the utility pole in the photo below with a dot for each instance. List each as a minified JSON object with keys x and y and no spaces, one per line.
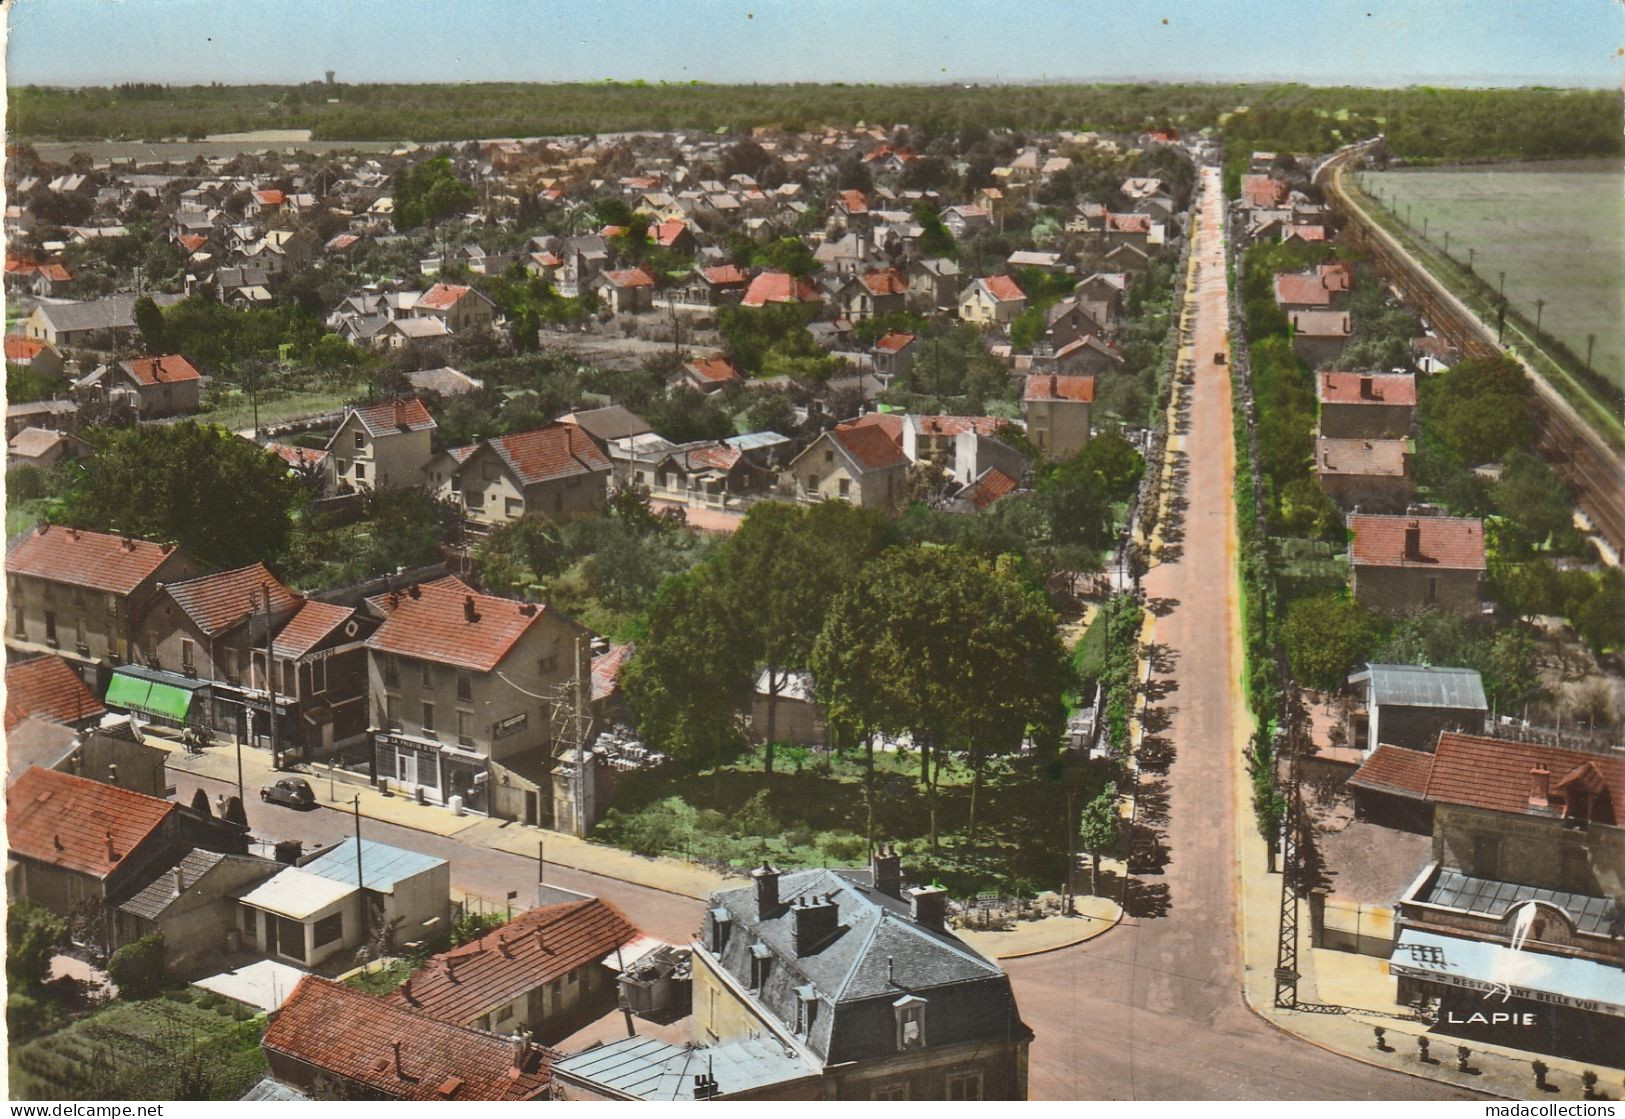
{"x":581,"y":743}
{"x":270,"y":678}
{"x":1540,"y":306}
{"x":1447,"y":242}
{"x":1424,"y":227}
{"x":1503,"y":289}
{"x":541,"y":867}
{"x":1591,"y":340}
{"x":359,"y":880}
{"x":1471,"y":253}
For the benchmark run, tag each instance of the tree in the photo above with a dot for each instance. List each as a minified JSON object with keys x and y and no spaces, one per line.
{"x":1533,"y":497}
{"x":1100,"y":829}
{"x":1325,"y":637}
{"x":138,"y":968}
{"x":1480,"y":409}
{"x":149,"y":320}
{"x":33,"y":935}
{"x":429,"y":192}
{"x":222,"y":499}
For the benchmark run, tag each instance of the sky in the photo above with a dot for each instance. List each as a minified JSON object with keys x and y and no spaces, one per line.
{"x":1320,"y":42}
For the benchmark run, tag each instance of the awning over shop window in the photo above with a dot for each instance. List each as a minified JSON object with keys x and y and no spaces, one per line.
{"x":148,"y":697}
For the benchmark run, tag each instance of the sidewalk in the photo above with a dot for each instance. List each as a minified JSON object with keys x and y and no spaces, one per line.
{"x":1032,"y":938}
{"x":672,"y":876}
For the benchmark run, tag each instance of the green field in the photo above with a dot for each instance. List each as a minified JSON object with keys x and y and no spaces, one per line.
{"x":1556,"y":230}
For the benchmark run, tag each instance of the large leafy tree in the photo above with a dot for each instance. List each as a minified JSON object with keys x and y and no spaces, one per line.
{"x":1480,"y":409}
{"x":1326,"y":637}
{"x":219,"y":497}
{"x":428,"y":192}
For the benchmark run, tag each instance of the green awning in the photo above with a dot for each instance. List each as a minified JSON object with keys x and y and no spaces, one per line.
{"x":148,"y":697}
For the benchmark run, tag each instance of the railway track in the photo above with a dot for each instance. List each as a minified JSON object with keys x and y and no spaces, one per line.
{"x":1575,"y":450}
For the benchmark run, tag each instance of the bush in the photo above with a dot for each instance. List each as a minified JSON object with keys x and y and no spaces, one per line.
{"x":138,"y":968}
{"x":29,"y":1016}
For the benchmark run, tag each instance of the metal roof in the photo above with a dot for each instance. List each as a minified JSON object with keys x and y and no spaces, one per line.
{"x":1478,"y":965}
{"x":296,"y":894}
{"x":1411,"y":685}
{"x":381,"y":865}
{"x":647,"y":1068}
{"x":757,"y":440}
{"x":1455,"y":890}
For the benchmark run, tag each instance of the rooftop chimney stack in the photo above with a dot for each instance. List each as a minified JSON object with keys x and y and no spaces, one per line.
{"x":816,"y":919}
{"x":928,"y":906}
{"x":1413,"y":540}
{"x":180,"y":882}
{"x":767,"y":888}
{"x":1368,"y":388}
{"x":1540,"y":787}
{"x":468,"y":608}
{"x":886,"y":868}
{"x":396,"y":1046}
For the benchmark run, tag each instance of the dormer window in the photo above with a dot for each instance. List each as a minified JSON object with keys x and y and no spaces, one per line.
{"x":761,"y":960}
{"x":360,"y":440}
{"x":806,"y":1009}
{"x":721,"y":925}
{"x":910,"y":1013}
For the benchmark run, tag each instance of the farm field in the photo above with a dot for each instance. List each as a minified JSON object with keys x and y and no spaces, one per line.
{"x":1556,"y":229}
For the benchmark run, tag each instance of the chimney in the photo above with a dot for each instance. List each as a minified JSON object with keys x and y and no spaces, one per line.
{"x":396,"y":1046}
{"x":180,"y":882}
{"x":519,"y":1048}
{"x":469,"y":612}
{"x":1413,"y":540}
{"x":112,"y":853}
{"x":503,"y":947}
{"x":413,"y":591}
{"x":406,"y":992}
{"x":1054,"y":385}
{"x":451,"y":969}
{"x":767,"y":888}
{"x":1368,"y":388}
{"x":816,"y":919}
{"x":1540,"y":787}
{"x":541,"y":941}
{"x":928,"y":906}
{"x":886,"y":869}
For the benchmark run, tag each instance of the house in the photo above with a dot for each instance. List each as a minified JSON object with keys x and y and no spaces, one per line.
{"x":1366,"y":405}
{"x":1086,"y":354}
{"x":408,"y":893}
{"x":460,"y":307}
{"x":1073,"y":318}
{"x":1260,"y":192}
{"x":933,"y":285}
{"x":1043,"y":261}
{"x":1318,"y":337}
{"x":40,"y":447}
{"x":1056,"y":409}
{"x":607,"y":424}
{"x":1519,"y":901}
{"x":1402,"y":564}
{"x":111,"y":752}
{"x":780,"y":288}
{"x":555,"y":471}
{"x":152,"y":387}
{"x":893,"y":353}
{"x":34,"y":355}
{"x":1130,"y":256}
{"x":307,"y":463}
{"x":382,"y":446}
{"x":83,"y":594}
{"x":673,"y":234}
{"x":784,"y":707}
{"x":453,"y":680}
{"x":710,"y":474}
{"x":546,"y":972}
{"x":873,"y":294}
{"x":963,"y":221}
{"x":80,"y":324}
{"x":1373,"y":475}
{"x":52,"y":415}
{"x":989,"y":487}
{"x":49,"y":688}
{"x":649,"y":1069}
{"x":1309,"y":291}
{"x":861,"y":979}
{"x":993,"y":301}
{"x":1128,"y":229}
{"x":191,"y":900}
{"x":332,"y":1041}
{"x":1109,"y":288}
{"x":858,"y":464}
{"x":705,"y":289}
{"x":1409,"y":705}
{"x":709,"y":374}
{"x":627,"y":291}
{"x":962,"y":446}
{"x":396,"y":334}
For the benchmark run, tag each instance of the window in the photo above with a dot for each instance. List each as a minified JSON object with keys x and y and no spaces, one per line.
{"x":392,"y":714}
{"x":965,"y":1086}
{"x":1486,"y":855}
{"x":910,"y":1013}
{"x":465,"y":687}
{"x":465,"y":728}
{"x":721,"y":922}
{"x":79,"y":639}
{"x":290,"y":682}
{"x":360,"y":440}
{"x":18,"y":628}
{"x":548,"y":664}
{"x":391,"y":671}
{"x":290,"y":938}
{"x":360,"y":471}
{"x":251,"y":921}
{"x":474,"y":498}
{"x":258,"y":680}
{"x":846,"y":487}
{"x":188,"y":661}
{"x":761,"y":962}
{"x":806,"y":1010}
{"x":328,"y":929}
{"x":50,"y":627}
{"x":895,"y":1092}
{"x":318,"y":677}
{"x":1433,"y":588}
{"x":505,"y":1014}
{"x":428,"y":717}
{"x":426,"y":674}
{"x":513,"y":507}
{"x":829,"y":456}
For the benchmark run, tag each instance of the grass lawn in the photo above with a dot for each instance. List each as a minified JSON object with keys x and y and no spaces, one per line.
{"x":738,"y":815}
{"x":1557,"y":231}
{"x":189,"y":1044}
{"x":385,"y":979}
{"x":232,"y":408}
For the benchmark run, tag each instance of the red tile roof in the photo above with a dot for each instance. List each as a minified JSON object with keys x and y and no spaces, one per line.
{"x":19,"y":348}
{"x":555,"y":451}
{"x":442,"y":297}
{"x":309,"y":628}
{"x":1305,"y":233}
{"x":1362,"y":457}
{"x":338,"y":1029}
{"x":894,"y":341}
{"x":1321,"y":324}
{"x":1301,"y":288}
{"x":1003,"y":288}
{"x":630,"y":278}
{"x":270,"y":197}
{"x":854,"y":202}
{"x":1337,"y":276}
{"x":715,"y":370}
{"x":219,"y":601}
{"x":1497,"y":775}
{"x":870,"y":447}
{"x":78,"y":824}
{"x":725,"y":275}
{"x":166,"y":370}
{"x":48,"y":688}
{"x":434,"y":626}
{"x":1059,"y":386}
{"x":385,"y":604}
{"x":1455,"y":543}
{"x":889,"y":422}
{"x":885,"y":281}
{"x":97,"y":560}
{"x":1262,"y":192}
{"x":667,"y":232}
{"x":535,"y":948}
{"x":56,"y":272}
{"x":953,"y":425}
{"x":779,"y":287}
{"x":991,"y":486}
{"x":192,"y":242}
{"x":606,"y":671}
{"x":1128,"y":223}
{"x":390,"y":416}
{"x":1386,"y":388}
{"x":294,"y":455}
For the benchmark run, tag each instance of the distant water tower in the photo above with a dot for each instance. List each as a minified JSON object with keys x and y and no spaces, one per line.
{"x":330,"y":77}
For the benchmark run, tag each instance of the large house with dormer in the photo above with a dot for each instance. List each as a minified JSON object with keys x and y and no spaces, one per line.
{"x":382,"y":446}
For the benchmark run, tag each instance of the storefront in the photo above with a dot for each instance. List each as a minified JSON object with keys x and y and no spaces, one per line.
{"x":410,"y":764}
{"x":1562,"y":1005}
{"x":165,"y":698}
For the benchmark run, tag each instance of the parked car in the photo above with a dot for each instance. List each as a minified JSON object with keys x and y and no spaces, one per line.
{"x":291,"y":791}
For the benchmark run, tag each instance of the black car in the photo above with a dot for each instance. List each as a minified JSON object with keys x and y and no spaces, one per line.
{"x":291,"y":791}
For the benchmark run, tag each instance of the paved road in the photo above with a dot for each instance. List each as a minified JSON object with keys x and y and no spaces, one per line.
{"x":1153,"y":1010}
{"x":476,"y":870}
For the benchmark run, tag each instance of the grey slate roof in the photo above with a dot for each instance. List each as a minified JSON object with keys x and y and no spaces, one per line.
{"x":1409,"y":685}
{"x":116,"y":312}
{"x":159,"y":894}
{"x":1495,"y":899}
{"x":647,"y":1068}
